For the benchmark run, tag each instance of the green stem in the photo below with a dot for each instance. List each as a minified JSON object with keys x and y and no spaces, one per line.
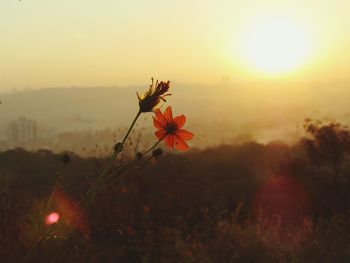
{"x":58,"y":175}
{"x":119,"y":169}
{"x":116,"y":178}
{"x":92,"y":188}
{"x":154,"y":146}
{"x":126,"y":166}
{"x":131,"y":126}
{"x":100,"y":178}
{"x":45,"y":214}
{"x":126,"y":172}
{"x":133,"y":161}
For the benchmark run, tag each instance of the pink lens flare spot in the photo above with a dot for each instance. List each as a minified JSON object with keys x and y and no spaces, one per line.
{"x":52,"y":218}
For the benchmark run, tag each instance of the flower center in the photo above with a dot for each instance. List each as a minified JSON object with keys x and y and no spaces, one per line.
{"x":171,"y":127}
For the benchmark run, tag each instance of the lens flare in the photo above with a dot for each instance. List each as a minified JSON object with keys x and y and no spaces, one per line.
{"x":285,"y":197}
{"x":71,"y":212}
{"x":52,"y":218}
{"x":282,"y":207}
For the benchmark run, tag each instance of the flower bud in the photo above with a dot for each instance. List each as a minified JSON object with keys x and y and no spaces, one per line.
{"x":151,"y":99}
{"x":158,"y":152}
{"x":118,"y":147}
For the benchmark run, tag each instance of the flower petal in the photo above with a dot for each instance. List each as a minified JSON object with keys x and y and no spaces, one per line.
{"x":180,"y":144}
{"x":160,"y":117}
{"x":157,"y":124}
{"x":169,"y":140}
{"x":180,"y":120}
{"x":185,"y":135}
{"x":160,"y":134}
{"x":168,"y":114}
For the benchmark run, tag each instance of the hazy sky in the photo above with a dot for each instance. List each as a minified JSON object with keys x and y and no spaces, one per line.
{"x":110,"y":42}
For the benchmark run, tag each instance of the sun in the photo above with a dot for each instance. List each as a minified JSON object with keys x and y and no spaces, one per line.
{"x":276,"y":45}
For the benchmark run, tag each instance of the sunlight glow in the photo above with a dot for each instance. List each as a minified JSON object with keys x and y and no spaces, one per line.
{"x":276,"y":44}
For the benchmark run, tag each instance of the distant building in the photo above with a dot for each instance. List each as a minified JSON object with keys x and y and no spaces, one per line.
{"x":22,"y":130}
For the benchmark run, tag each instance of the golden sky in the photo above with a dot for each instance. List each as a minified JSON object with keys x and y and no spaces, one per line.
{"x":47,"y":43}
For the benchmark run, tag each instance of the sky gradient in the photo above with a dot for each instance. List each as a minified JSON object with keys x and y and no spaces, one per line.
{"x":90,"y":43}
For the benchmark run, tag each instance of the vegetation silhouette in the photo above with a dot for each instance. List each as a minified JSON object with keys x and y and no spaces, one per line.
{"x":230,"y":203}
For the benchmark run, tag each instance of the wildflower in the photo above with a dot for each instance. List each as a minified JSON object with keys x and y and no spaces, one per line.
{"x":169,"y":129}
{"x":156,"y":93}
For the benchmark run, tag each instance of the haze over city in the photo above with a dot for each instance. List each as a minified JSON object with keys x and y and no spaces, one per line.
{"x":256,"y":56}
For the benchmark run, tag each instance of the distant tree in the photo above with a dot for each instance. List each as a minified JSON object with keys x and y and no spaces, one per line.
{"x":328,"y":149}
{"x":329,"y":145}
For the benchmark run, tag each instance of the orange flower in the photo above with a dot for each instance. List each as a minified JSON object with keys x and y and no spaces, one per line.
{"x":169,"y":129}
